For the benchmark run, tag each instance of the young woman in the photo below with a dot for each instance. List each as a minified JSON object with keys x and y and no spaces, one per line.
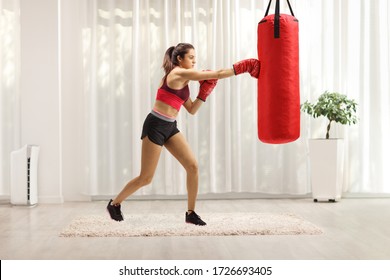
{"x":160,"y":127}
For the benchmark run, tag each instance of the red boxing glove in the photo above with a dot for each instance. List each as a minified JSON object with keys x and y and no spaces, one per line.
{"x":252,"y":66}
{"x":206,"y":87}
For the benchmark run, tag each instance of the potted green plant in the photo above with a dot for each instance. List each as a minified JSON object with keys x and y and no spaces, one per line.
{"x":327,"y":155}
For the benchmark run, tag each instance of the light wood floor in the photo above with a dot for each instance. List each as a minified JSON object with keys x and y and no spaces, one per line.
{"x":353,"y":229}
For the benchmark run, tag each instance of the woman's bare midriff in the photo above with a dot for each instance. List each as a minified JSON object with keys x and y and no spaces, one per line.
{"x":165,"y":109}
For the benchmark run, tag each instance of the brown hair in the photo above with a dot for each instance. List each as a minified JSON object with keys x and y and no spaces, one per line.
{"x":170,"y":57}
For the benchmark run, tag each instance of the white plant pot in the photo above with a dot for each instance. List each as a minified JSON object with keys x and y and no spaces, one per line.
{"x":326,"y":163}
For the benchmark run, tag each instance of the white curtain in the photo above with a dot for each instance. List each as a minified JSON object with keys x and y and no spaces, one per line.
{"x":9,"y":87}
{"x":344,"y":46}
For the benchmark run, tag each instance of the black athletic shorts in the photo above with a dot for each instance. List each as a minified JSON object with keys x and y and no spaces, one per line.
{"x":158,"y":130}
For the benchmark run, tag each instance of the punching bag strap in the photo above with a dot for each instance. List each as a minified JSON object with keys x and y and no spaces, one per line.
{"x":269,"y":5}
{"x":277,"y":16}
{"x":277,"y":20}
{"x":291,"y":11}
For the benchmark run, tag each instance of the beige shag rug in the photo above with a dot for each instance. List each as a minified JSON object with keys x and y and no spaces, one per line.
{"x":173,"y":225}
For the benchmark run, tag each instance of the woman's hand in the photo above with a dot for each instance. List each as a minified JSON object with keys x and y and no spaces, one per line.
{"x":205,"y":89}
{"x":252,"y":66}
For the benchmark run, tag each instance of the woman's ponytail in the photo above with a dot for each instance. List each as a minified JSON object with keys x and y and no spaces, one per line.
{"x":167,"y":62}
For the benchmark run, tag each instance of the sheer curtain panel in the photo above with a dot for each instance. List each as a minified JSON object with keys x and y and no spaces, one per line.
{"x":9,"y":88}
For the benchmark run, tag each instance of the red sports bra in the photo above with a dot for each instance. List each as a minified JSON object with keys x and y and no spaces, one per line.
{"x":173,"y":97}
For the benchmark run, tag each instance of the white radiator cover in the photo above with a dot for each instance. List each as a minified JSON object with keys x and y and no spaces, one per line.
{"x":24,"y":176}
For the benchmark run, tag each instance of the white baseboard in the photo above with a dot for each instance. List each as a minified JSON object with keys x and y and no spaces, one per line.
{"x":5,"y":199}
{"x":210,"y":196}
{"x":366,"y":195}
{"x":216,"y":196}
{"x":50,"y":199}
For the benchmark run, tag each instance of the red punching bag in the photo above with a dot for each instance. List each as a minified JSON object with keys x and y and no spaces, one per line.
{"x":278,"y":101}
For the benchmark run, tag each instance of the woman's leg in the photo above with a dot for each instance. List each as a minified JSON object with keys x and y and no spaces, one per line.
{"x":149,"y":159}
{"x":179,"y":148}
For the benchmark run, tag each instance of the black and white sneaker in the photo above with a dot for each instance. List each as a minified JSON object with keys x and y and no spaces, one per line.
{"x":115,"y":211}
{"x":194,"y":218}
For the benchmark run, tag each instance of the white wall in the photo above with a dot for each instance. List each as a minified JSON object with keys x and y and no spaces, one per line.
{"x":39,"y":92}
{"x":72,"y":101}
{"x":52,"y":96}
